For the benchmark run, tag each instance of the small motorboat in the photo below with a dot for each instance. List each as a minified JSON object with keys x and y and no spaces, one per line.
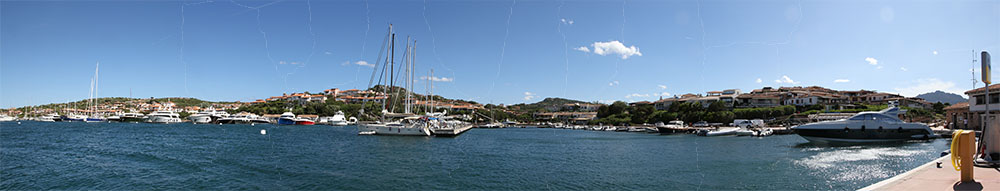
{"x":722,"y":132}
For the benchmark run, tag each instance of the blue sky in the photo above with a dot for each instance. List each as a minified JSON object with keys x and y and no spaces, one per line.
{"x":489,"y":51}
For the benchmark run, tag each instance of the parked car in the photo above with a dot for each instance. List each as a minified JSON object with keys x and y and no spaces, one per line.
{"x":743,"y":123}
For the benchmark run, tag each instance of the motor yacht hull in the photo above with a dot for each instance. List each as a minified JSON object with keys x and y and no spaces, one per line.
{"x":201,"y":119}
{"x":162,"y":119}
{"x":865,"y":127}
{"x":859,"y":136}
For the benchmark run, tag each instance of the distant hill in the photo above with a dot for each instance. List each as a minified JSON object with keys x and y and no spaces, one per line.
{"x":943,"y":97}
{"x":556,"y":101}
{"x":552,"y":101}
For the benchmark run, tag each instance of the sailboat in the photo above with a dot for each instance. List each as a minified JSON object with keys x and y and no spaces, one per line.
{"x":94,"y":117}
{"x":390,"y":123}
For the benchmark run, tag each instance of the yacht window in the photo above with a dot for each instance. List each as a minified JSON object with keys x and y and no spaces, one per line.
{"x":886,"y":118}
{"x":861,"y":117}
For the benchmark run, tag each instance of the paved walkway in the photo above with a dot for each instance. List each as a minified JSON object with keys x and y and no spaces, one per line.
{"x":930,"y":177}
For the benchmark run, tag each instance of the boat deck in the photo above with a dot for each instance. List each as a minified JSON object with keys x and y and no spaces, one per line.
{"x":451,"y":132}
{"x":930,"y":177}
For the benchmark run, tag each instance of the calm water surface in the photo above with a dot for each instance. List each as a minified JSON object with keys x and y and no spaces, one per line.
{"x":122,"y":156}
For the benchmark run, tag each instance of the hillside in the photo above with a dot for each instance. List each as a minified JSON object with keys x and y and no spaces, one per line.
{"x":546,"y":103}
{"x":943,"y":97}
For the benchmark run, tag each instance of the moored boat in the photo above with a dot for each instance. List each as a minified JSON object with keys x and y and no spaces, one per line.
{"x":288,"y":118}
{"x":865,"y":127}
{"x":671,"y":127}
{"x":163,"y":116}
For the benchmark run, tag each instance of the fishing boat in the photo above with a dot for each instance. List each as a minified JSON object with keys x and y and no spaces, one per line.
{"x":288,"y":118}
{"x":866,"y":127}
{"x":671,"y":127}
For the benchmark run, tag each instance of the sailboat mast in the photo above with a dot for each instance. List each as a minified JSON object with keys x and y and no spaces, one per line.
{"x":392,"y":59}
{"x":97,"y":83}
{"x":392,"y":52}
{"x":431,"y":92}
{"x":409,"y":64}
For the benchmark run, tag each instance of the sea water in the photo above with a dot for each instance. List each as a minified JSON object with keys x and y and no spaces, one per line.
{"x":129,"y":156}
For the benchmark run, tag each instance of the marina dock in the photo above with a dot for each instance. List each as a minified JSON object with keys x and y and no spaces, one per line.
{"x":930,"y":176}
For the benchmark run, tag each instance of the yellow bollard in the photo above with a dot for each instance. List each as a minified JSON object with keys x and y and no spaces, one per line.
{"x":967,"y":145}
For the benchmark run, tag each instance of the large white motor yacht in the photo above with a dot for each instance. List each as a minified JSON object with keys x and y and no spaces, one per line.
{"x":881,"y":126}
{"x":163,"y":116}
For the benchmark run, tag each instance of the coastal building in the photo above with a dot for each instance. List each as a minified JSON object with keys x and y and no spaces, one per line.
{"x":879,"y":98}
{"x":977,"y":106}
{"x":912,"y":102}
{"x":332,"y":92}
{"x":361,"y":99}
{"x":814,"y":98}
{"x":856,"y":96}
{"x":640,"y":103}
{"x":584,"y":107}
{"x":759,"y":100}
{"x":664,"y":104}
{"x":957,"y":116}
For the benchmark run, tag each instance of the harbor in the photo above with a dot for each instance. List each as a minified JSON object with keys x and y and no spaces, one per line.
{"x":499,"y":95}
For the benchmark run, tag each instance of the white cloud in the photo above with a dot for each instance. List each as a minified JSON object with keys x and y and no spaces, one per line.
{"x":664,"y":94}
{"x":635,"y":95}
{"x":878,"y":67}
{"x":841,"y":81}
{"x":565,"y":21}
{"x":327,"y":53}
{"x":935,"y":52}
{"x":785,"y":79}
{"x":437,"y":79}
{"x":615,"y":47}
{"x":871,"y":61}
{"x":759,"y":81}
{"x":583,"y":49}
{"x":929,"y":85}
{"x":662,"y":87}
{"x":364,"y":63}
{"x":528,"y":96}
{"x":613,"y":83}
{"x":286,"y":62}
{"x":903,"y":69}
